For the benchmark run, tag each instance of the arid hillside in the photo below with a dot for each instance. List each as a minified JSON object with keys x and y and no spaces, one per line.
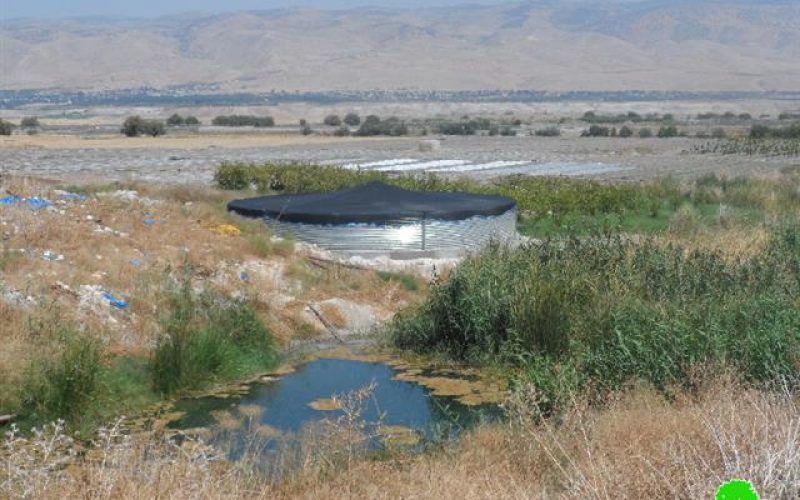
{"x":548,"y":45}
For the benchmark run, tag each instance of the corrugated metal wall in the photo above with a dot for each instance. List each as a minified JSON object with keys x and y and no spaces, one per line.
{"x":407,"y":240}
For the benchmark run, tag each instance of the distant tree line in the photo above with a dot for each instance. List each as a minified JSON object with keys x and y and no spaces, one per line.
{"x":6,"y":128}
{"x":631,"y":116}
{"x":664,"y":132}
{"x":789,"y":116}
{"x":728,"y":116}
{"x":243,"y":121}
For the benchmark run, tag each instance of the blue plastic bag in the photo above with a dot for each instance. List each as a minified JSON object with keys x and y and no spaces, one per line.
{"x":37,"y":203}
{"x":114,"y":301}
{"x":10,"y":200}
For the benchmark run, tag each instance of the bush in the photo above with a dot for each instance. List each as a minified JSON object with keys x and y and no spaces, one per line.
{"x":65,"y":385}
{"x":234,"y":177}
{"x":6,"y":128}
{"x":176,"y":120}
{"x":243,"y":121}
{"x":191,"y":121}
{"x":205,"y":340}
{"x":373,"y":125}
{"x":548,"y":132}
{"x":352,"y":120}
{"x":153,"y":128}
{"x":668,"y":131}
{"x":332,"y":121}
{"x":626,"y":131}
{"x":596,"y":131}
{"x":30,"y":122}
{"x":134,"y":126}
{"x":645,"y":133}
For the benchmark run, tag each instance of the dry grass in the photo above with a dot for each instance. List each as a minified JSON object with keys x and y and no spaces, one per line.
{"x":127,"y":245}
{"x":107,"y":241}
{"x":640,"y":446}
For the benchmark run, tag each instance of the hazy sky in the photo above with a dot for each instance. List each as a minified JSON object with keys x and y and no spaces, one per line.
{"x":10,"y":9}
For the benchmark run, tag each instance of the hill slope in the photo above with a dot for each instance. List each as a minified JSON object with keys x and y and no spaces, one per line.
{"x":548,"y":45}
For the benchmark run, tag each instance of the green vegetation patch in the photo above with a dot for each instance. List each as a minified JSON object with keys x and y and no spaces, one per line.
{"x":535,"y":196}
{"x":596,"y":313}
{"x":205,"y":340}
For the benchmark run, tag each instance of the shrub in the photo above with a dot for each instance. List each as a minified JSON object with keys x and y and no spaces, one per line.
{"x":352,"y":120}
{"x":548,"y":132}
{"x":205,"y":339}
{"x":30,"y":122}
{"x":191,"y":121}
{"x":6,"y":127}
{"x":243,"y":121}
{"x":65,"y":385}
{"x":645,"y":133}
{"x":176,"y":120}
{"x":596,"y":131}
{"x":230,"y":176}
{"x":332,"y":121}
{"x":153,"y":128}
{"x":373,"y":125}
{"x":134,"y":126}
{"x":626,"y":131}
{"x":668,"y":131}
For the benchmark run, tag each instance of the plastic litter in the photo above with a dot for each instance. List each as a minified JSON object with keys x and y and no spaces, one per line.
{"x":226,"y":230}
{"x":10,"y":200}
{"x":114,"y":301}
{"x":37,"y":203}
{"x":244,"y":276}
{"x":68,"y":196}
{"x":52,"y":256}
{"x":148,"y":222}
{"x":137,"y":262}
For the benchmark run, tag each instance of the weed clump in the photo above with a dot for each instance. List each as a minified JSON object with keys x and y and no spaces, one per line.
{"x":205,"y":339}
{"x":65,"y":385}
